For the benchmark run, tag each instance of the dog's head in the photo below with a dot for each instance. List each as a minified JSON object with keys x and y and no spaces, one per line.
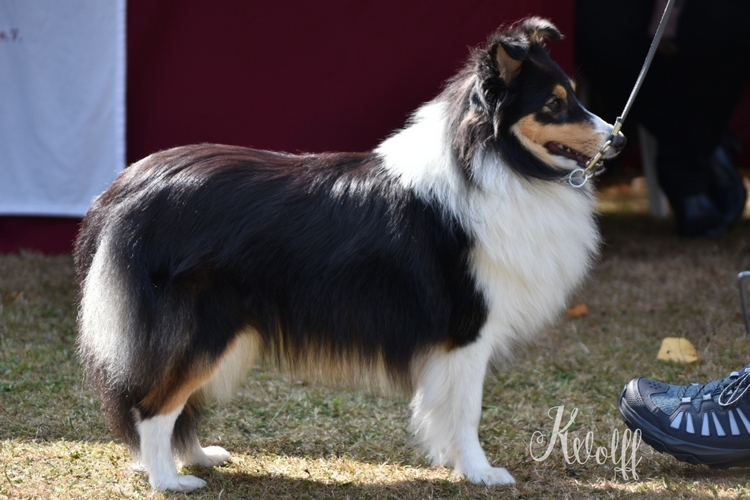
{"x":513,"y":99}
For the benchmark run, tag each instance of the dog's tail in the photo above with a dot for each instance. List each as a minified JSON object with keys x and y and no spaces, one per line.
{"x":128,"y":353}
{"x":105,"y":321}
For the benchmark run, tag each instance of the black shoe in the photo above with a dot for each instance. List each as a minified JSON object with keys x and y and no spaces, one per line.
{"x":698,"y":215}
{"x":700,"y":424}
{"x":727,"y":191}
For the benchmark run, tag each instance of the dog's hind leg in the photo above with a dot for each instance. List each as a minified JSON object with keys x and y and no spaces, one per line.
{"x":229,"y":371}
{"x":169,"y":418}
{"x":156,"y":454}
{"x":185,"y":438}
{"x":205,"y":457}
{"x":446,"y":409}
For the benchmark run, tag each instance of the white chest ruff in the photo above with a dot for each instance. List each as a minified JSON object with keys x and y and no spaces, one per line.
{"x":535,"y":242}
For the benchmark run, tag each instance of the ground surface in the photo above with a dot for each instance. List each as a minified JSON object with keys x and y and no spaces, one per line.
{"x":290,"y":439}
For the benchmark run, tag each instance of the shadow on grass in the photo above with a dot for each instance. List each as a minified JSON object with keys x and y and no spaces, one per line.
{"x":244,"y":485}
{"x":679,"y":482}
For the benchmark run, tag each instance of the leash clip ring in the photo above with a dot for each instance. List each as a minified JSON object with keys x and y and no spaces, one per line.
{"x":579,"y":173}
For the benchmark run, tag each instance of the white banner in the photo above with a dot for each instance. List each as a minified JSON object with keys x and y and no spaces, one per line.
{"x":62,"y":103}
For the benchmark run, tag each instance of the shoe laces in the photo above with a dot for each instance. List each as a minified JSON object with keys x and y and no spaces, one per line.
{"x":736,"y":388}
{"x":729,"y":390}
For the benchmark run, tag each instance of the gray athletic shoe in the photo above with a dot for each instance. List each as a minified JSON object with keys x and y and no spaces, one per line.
{"x":697,"y":423}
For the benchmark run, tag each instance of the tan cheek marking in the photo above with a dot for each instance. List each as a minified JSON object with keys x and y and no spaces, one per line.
{"x":530,"y":128}
{"x":579,"y":136}
{"x":530,"y":133}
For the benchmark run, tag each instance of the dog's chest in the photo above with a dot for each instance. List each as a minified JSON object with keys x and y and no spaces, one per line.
{"x":534,"y":245}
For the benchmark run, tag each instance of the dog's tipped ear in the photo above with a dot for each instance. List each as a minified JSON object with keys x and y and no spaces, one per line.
{"x":537,"y":30}
{"x":511,"y":47}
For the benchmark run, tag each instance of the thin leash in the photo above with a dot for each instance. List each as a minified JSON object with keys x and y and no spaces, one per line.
{"x":580,"y":176}
{"x":743,"y":299}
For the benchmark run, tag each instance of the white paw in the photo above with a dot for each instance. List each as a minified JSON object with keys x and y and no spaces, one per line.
{"x":486,"y":475}
{"x":214,"y":455}
{"x":177,"y":483}
{"x":206,"y":457}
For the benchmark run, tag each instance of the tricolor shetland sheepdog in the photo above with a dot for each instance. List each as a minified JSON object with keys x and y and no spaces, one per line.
{"x":409,"y":267}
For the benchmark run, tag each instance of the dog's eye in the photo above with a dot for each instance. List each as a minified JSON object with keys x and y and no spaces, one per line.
{"x":555,"y":104}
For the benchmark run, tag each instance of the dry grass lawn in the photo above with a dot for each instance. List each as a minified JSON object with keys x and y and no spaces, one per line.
{"x":290,"y":439}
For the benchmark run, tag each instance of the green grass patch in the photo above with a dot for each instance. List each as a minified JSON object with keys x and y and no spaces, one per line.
{"x":291,"y":439}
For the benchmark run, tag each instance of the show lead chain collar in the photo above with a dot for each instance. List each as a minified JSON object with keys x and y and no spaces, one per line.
{"x":580,"y":176}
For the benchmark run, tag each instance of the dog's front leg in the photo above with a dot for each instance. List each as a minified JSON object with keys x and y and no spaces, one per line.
{"x":446,"y":409}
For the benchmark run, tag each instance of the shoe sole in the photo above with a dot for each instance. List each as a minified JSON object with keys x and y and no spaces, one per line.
{"x":719,"y":458}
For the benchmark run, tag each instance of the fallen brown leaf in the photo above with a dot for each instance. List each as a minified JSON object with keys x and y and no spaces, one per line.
{"x":677,"y":349}
{"x":577,"y":311}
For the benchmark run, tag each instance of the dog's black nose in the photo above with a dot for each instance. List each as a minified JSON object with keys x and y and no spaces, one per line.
{"x":619,"y":141}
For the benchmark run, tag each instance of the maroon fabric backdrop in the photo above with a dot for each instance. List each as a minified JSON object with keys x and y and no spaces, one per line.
{"x":288,"y":75}
{"x":294,"y":76}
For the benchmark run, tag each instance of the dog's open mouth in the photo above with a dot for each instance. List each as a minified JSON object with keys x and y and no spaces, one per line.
{"x":581,"y":159}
